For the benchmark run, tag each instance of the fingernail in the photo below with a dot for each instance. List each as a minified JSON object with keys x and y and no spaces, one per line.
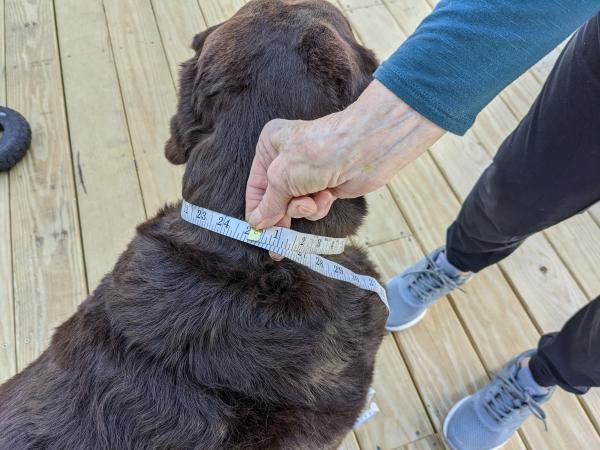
{"x":255,"y":219}
{"x":275,"y":256}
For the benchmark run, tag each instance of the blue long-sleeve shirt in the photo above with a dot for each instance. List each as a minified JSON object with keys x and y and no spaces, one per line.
{"x":466,"y":51}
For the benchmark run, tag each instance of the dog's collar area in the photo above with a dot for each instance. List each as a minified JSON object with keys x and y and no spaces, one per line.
{"x":299,"y":247}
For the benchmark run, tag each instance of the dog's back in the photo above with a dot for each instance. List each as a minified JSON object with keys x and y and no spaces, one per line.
{"x":198,"y":341}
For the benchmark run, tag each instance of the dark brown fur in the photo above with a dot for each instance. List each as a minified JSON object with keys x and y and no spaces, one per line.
{"x":199,"y":341}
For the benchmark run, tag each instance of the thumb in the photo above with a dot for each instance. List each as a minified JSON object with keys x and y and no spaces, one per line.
{"x":266,"y":204}
{"x":271,"y":208}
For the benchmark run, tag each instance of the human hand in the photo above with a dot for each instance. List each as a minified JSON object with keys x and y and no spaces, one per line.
{"x":302,"y":167}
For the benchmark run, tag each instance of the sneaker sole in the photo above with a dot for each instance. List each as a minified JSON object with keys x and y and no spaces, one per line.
{"x":447,"y":421}
{"x":407,"y":325}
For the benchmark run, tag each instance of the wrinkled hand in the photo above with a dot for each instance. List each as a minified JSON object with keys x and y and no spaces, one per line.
{"x":302,"y":167}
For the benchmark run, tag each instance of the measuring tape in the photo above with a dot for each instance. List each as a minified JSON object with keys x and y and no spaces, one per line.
{"x":369,"y":411}
{"x":299,"y":247}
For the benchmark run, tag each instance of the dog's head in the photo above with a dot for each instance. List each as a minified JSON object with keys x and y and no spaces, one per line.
{"x":292,"y":59}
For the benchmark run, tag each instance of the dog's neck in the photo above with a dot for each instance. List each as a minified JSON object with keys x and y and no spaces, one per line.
{"x":218,"y":169}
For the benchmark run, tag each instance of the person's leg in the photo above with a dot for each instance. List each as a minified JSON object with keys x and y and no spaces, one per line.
{"x":546,"y":171}
{"x":567,"y":359}
{"x":570,"y":358}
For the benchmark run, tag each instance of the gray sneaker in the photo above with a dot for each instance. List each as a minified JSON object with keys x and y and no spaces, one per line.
{"x":487,"y":419}
{"x":419,"y":287}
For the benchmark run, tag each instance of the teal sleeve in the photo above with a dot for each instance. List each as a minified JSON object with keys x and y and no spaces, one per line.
{"x":466,"y":51}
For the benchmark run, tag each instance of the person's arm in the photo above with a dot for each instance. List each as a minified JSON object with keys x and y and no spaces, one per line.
{"x":458,"y":59}
{"x":466,"y":51}
{"x":342,"y":155}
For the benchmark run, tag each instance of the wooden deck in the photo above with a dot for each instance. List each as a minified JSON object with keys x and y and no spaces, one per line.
{"x":96,"y":78}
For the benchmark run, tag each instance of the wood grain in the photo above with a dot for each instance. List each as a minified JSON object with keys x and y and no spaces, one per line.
{"x":384,"y":222}
{"x":178,"y":22}
{"x":49,"y":279}
{"x":110,"y":201}
{"x":350,"y":443}
{"x":542,"y":68}
{"x":217,"y":11}
{"x":576,"y":241}
{"x":426,"y":201}
{"x":408,"y":14}
{"x":402,"y":418}
{"x":521,"y":93}
{"x":444,"y":365}
{"x":374,"y":26}
{"x":148,"y":96}
{"x":591,"y":403}
{"x":595,"y":212}
{"x":8,"y":362}
{"x":349,"y":5}
{"x":433,"y":442}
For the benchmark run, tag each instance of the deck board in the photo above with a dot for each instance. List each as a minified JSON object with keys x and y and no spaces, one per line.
{"x":48,"y":269}
{"x":402,"y":417}
{"x":350,"y":443}
{"x":178,"y":22}
{"x":148,"y":95}
{"x":385,"y":222}
{"x":215,"y":12}
{"x":8,"y":362}
{"x":97,"y":166}
{"x":99,"y":136}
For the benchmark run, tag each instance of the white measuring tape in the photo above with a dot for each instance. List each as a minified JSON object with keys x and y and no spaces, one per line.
{"x":369,"y":411}
{"x":299,"y":247}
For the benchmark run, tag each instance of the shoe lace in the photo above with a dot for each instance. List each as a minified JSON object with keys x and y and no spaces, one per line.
{"x":427,"y":283}
{"x":509,"y":397}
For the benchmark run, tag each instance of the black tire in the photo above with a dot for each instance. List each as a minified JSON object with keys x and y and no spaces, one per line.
{"x":16,"y":138}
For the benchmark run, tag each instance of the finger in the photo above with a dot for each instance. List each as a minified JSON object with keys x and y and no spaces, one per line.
{"x":276,"y":256}
{"x":257,"y":181}
{"x":300,"y":207}
{"x":267,"y":150}
{"x":323,"y":200}
{"x":271,"y":208}
{"x":285,"y":222}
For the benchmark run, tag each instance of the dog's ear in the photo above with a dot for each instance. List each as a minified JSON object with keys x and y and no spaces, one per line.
{"x":198,"y":41}
{"x":175,"y":150}
{"x":330,"y":59}
{"x":185,"y":125}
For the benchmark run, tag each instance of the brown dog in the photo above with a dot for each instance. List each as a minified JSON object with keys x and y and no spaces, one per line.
{"x":199,"y":341}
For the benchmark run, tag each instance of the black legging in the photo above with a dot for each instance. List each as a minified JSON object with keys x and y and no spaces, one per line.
{"x":546,"y":171}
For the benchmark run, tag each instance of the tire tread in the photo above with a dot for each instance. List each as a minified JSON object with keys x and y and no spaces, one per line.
{"x":16,"y":138}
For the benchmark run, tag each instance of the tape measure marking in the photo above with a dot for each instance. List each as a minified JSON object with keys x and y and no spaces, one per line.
{"x":299,"y":247}
{"x":369,"y":411}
